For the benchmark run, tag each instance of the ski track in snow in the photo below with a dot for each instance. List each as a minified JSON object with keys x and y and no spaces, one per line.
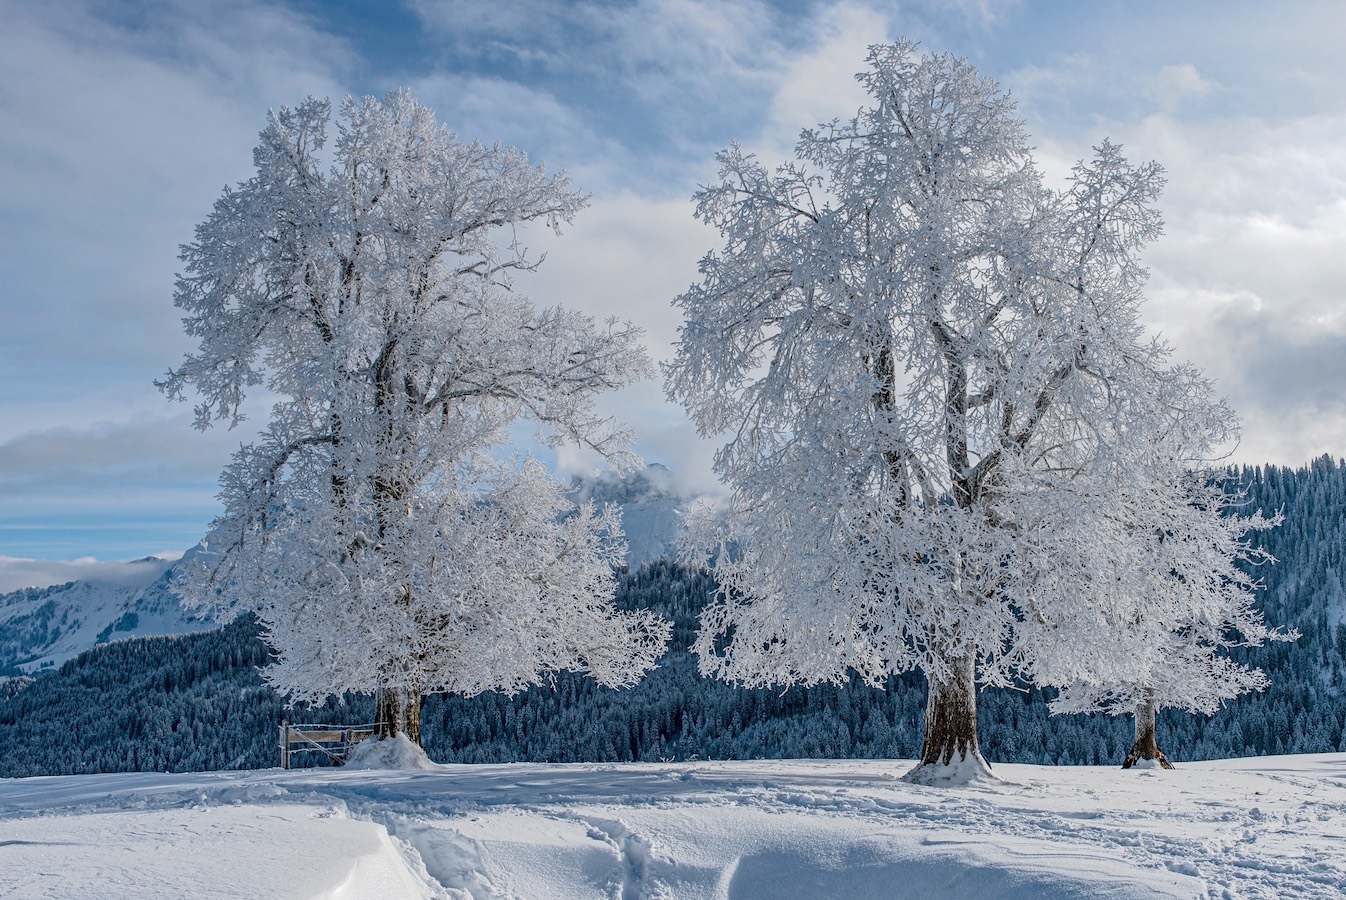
{"x":1265,"y":827}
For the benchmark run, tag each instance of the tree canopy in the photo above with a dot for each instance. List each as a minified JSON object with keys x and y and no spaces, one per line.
{"x":382,"y":525}
{"x":937,"y":402}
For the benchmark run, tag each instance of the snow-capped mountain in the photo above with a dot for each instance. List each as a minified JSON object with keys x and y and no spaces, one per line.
{"x":43,"y":627}
{"x":652,"y":505}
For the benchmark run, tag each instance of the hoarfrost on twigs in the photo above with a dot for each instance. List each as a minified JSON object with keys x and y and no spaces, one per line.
{"x":381,"y":528}
{"x":949,"y":443}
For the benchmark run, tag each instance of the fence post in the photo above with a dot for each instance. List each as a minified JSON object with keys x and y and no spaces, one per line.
{"x":284,"y":744}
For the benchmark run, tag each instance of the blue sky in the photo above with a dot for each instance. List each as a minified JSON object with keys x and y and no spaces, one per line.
{"x":121,"y":122}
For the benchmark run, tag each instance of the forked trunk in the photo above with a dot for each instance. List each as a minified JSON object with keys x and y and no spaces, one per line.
{"x":951,"y":727}
{"x":1146,"y":747}
{"x":397,"y":711}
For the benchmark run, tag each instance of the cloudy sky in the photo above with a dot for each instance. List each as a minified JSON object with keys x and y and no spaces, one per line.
{"x":121,"y":122}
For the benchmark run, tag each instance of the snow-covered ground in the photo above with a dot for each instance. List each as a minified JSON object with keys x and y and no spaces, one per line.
{"x":1268,"y":827}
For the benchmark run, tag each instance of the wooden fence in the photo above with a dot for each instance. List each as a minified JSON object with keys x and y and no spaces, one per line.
{"x":335,"y":741}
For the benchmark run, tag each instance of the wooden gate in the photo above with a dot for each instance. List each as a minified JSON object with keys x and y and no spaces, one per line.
{"x":334,"y":741}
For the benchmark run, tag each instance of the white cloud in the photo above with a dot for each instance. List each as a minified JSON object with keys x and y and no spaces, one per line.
{"x":668,"y":80}
{"x":118,"y":139}
{"x":144,"y":450}
{"x":1176,"y":84}
{"x":819,"y":85}
{"x":978,"y":15}
{"x":658,"y":46}
{"x":17,"y":573}
{"x":120,"y":124}
{"x":483,"y":28}
{"x":1249,"y":280}
{"x":627,"y":257}
{"x":491,"y":109}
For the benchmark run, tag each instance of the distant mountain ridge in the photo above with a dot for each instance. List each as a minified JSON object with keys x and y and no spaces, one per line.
{"x":40,"y":628}
{"x":43,"y":627}
{"x":652,"y":505}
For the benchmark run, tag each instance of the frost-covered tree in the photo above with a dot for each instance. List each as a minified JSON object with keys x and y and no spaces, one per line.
{"x":1190,"y":578}
{"x":932,"y":380}
{"x":379,"y":525}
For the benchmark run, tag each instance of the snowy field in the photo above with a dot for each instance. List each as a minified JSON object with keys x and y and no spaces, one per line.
{"x":1269,"y":827}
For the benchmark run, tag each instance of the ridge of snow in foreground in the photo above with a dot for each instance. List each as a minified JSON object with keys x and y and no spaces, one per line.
{"x":1263,"y":827}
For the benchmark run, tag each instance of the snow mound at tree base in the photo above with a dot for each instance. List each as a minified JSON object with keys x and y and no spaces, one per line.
{"x":960,"y":771}
{"x":389,"y":753}
{"x":1146,"y":764}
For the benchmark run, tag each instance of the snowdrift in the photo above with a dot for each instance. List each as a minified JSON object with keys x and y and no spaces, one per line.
{"x":1267,"y":827}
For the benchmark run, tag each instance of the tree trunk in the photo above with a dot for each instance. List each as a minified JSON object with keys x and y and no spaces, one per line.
{"x":950,"y":724}
{"x":1146,"y":747}
{"x":397,"y":711}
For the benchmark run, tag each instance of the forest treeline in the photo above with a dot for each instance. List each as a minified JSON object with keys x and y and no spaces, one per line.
{"x":198,"y":702}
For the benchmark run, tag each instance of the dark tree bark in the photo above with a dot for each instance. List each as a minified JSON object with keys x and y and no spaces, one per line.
{"x":1146,"y":747}
{"x":397,"y":712}
{"x":951,"y":718}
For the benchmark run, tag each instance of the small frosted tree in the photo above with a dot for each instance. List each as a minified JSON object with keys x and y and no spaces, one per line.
{"x":374,"y":525}
{"x":1194,"y":591}
{"x":931,"y":376}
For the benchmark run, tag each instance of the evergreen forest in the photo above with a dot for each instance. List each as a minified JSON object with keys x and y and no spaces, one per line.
{"x":198,"y":702}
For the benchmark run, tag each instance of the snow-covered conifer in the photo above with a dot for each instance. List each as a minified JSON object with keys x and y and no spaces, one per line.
{"x":373,"y":525}
{"x":929,"y":370}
